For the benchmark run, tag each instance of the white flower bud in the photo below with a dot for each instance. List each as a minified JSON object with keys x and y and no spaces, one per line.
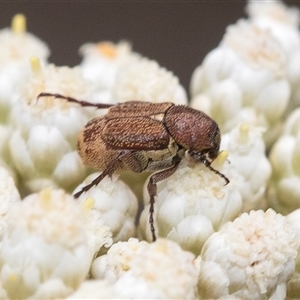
{"x":247,"y":154}
{"x":284,"y":189}
{"x":191,"y":204}
{"x":112,"y":202}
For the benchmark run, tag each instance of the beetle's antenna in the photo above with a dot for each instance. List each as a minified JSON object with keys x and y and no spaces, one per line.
{"x":207,"y":164}
{"x":80,"y":102}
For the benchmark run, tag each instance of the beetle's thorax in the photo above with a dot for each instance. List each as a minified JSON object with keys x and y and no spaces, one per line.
{"x":194,"y":131}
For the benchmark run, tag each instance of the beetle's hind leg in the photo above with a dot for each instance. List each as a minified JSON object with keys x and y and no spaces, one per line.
{"x":114,"y":165}
{"x":152,"y":190}
{"x":80,"y":102}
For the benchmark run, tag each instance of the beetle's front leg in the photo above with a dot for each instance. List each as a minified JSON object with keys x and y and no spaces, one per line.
{"x":152,"y":190}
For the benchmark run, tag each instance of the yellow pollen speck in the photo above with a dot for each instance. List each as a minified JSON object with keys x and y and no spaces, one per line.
{"x":18,"y":24}
{"x":244,"y":133}
{"x":36,"y":67}
{"x":45,"y":198}
{"x":88,"y":204}
{"x":220,"y":160}
{"x":107,"y":50}
{"x":13,"y":277}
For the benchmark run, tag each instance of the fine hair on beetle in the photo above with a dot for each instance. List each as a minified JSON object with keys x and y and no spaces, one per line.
{"x":142,"y":136}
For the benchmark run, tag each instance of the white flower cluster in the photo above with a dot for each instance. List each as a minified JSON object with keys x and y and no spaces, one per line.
{"x":250,"y":258}
{"x":215,"y":239}
{"x":244,"y":80}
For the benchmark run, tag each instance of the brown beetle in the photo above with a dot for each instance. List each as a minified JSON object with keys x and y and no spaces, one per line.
{"x":143,"y":136}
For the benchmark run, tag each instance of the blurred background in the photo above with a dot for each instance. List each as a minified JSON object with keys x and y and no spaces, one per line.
{"x":177,"y":34}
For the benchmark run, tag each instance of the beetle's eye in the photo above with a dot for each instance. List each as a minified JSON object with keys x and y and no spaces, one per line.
{"x":212,"y":154}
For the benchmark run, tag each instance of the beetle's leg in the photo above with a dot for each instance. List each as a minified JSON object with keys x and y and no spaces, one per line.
{"x":152,"y":190}
{"x":110,"y":169}
{"x":207,"y":164}
{"x":80,"y":102}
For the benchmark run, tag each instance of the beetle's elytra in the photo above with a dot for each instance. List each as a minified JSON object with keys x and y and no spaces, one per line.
{"x":142,"y":136}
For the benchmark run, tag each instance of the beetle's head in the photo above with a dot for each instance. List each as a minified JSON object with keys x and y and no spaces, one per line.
{"x":199,"y":153}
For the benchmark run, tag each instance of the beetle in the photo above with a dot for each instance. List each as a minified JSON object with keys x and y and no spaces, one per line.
{"x":143,"y":136}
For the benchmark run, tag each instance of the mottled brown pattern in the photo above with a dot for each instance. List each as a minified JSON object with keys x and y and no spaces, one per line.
{"x":135,"y":133}
{"x":137,"y":109}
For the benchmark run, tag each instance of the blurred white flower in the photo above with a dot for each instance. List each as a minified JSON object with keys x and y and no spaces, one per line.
{"x":44,"y":252}
{"x":43,"y":142}
{"x":243,"y":80}
{"x":113,"y":203}
{"x":101,"y":63}
{"x":4,"y":150}
{"x":284,"y":188}
{"x":93,"y":289}
{"x":118,"y":260}
{"x":247,"y":153}
{"x":9,"y":195}
{"x":192,"y":204}
{"x":252,"y":257}
{"x":16,"y":48}
{"x":146,"y":80}
{"x":283,"y":22}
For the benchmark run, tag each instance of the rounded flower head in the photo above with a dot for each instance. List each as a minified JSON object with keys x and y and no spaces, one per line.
{"x":118,"y":260}
{"x":145,"y":80}
{"x":44,"y":251}
{"x":43,"y":141}
{"x":161,"y":270}
{"x":283,"y":22}
{"x":193,"y":203}
{"x":243,"y":80}
{"x":101,"y":63}
{"x":113,"y":203}
{"x":284,"y":188}
{"x":247,"y":154}
{"x":254,"y":256}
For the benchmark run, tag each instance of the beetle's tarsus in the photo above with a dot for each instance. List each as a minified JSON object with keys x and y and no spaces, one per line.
{"x":207,"y":164}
